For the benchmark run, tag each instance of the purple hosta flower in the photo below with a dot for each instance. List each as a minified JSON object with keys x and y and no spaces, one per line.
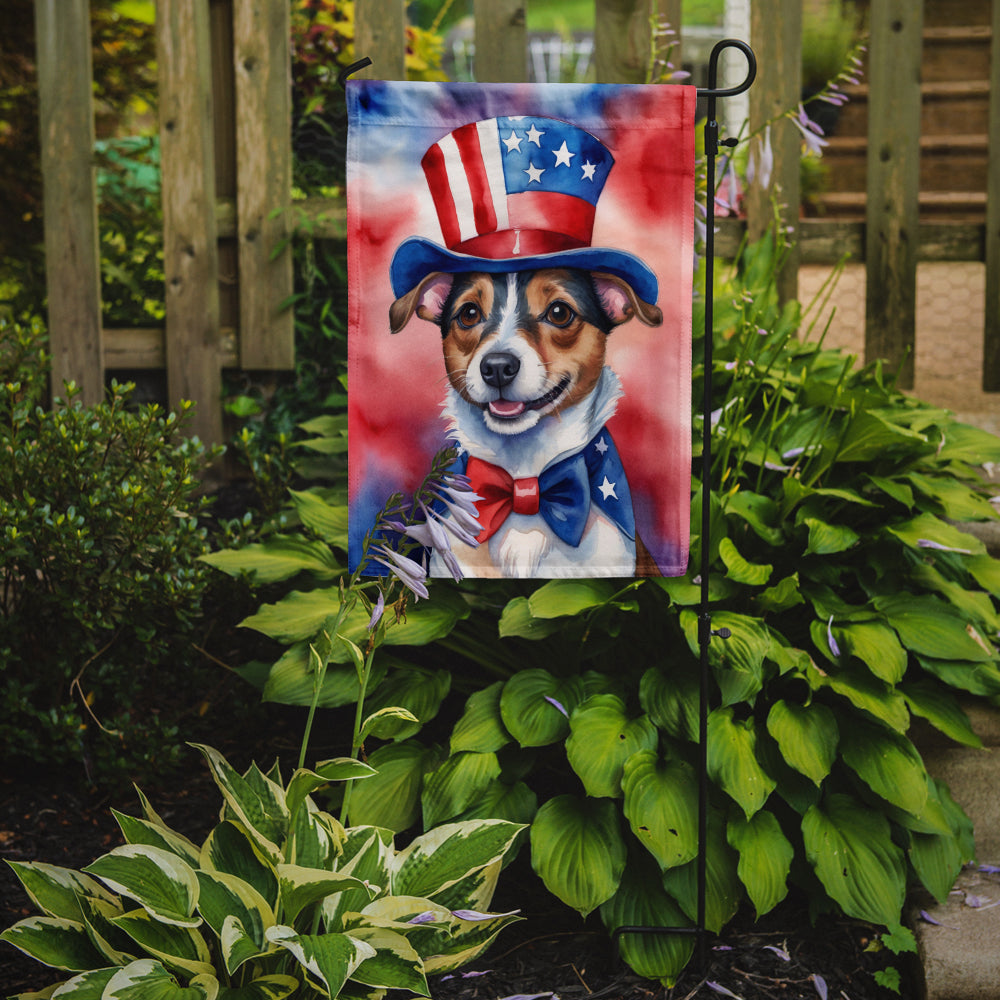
{"x":927,"y":918}
{"x":780,"y":952}
{"x":927,"y":543}
{"x":719,"y":988}
{"x":820,"y":983}
{"x":461,"y":533}
{"x":812,"y":134}
{"x":462,"y":507}
{"x":427,"y":917}
{"x":990,"y":869}
{"x":475,"y":915}
{"x":377,"y":612}
{"x":760,"y":165}
{"x":410,"y":573}
{"x":531,"y":996}
{"x":834,"y":648}
{"x":558,"y":705}
{"x":465,"y":975}
{"x":727,"y":198}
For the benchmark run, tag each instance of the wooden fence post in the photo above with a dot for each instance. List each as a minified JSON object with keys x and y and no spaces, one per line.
{"x":262,"y":61}
{"x":190,"y":251}
{"x":501,"y":41}
{"x":380,"y":34}
{"x":991,"y":332}
{"x":892,"y":214}
{"x":622,"y":40}
{"x":72,"y":254}
{"x":776,"y":35}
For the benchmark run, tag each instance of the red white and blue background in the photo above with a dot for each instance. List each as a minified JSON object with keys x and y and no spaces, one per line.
{"x":503,"y":181}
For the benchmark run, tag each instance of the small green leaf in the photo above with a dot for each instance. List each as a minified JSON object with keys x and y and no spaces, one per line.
{"x":739,"y":569}
{"x":561,"y":598}
{"x":828,"y":539}
{"x":328,"y":521}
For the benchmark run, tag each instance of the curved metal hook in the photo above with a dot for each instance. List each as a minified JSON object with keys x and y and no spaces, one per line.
{"x":713,"y":69}
{"x":353,"y":68}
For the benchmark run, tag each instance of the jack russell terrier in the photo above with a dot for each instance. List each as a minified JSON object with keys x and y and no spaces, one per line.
{"x":525,"y":306}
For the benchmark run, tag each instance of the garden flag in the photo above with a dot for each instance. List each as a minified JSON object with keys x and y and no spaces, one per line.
{"x":520,"y":278}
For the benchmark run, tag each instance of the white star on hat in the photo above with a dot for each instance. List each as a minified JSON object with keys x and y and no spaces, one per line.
{"x":513,"y":142}
{"x":563,"y":155}
{"x":607,"y":489}
{"x":534,"y":173}
{"x":535,"y":136}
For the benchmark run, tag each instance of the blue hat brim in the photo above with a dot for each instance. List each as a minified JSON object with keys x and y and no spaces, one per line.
{"x":416,"y":257}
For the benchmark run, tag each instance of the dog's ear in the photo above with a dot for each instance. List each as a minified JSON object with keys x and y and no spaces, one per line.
{"x":621,"y":303}
{"x":426,"y":300}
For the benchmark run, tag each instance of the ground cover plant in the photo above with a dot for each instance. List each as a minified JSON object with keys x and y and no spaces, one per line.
{"x":855,"y":603}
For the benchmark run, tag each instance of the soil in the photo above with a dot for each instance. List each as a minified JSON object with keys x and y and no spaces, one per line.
{"x":551,"y":952}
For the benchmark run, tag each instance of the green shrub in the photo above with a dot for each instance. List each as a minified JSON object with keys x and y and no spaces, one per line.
{"x":101,"y":584}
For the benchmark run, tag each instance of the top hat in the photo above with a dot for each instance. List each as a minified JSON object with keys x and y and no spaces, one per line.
{"x":516,"y":194}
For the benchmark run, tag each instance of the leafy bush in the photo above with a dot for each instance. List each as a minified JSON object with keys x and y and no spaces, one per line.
{"x":99,"y":540}
{"x":279,"y":899}
{"x":854,"y":602}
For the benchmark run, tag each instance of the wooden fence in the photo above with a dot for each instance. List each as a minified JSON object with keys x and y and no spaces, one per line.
{"x":226,"y":161}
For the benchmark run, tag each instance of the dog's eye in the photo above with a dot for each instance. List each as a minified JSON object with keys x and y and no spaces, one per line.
{"x":469,"y":315}
{"x":559,"y":314}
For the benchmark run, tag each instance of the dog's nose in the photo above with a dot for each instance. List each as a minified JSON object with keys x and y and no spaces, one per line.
{"x":499,"y":369}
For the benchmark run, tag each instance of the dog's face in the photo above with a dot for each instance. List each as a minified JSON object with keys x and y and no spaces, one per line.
{"x":523,"y":345}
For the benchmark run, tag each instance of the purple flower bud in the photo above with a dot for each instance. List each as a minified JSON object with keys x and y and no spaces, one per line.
{"x":411,"y":573}
{"x":834,"y":648}
{"x":820,"y":983}
{"x":558,"y":705}
{"x":377,"y":611}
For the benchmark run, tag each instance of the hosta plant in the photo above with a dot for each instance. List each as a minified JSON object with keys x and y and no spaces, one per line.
{"x":279,"y":900}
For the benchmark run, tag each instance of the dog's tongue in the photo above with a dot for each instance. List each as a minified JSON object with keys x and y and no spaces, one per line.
{"x":506,"y":408}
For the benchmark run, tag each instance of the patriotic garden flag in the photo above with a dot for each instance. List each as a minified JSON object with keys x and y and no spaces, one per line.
{"x":520,"y":280}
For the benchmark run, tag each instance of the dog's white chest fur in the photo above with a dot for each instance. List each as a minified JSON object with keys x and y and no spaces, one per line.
{"x":525,"y":546}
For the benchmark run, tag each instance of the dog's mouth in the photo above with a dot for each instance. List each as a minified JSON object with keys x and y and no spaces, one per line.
{"x":511,"y":409}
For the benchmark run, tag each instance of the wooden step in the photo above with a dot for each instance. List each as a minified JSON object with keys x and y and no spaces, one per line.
{"x":957,"y":206}
{"x":945,"y":12}
{"x":956,"y":53}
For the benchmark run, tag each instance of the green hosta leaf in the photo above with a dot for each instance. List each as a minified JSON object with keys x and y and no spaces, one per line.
{"x":641,"y":901}
{"x":765,"y":858}
{"x":535,"y":706}
{"x":147,"y":979}
{"x":732,"y":760}
{"x":927,"y":528}
{"x":758,"y":511}
{"x":438,"y":859}
{"x":395,"y":964}
{"x":481,"y":728}
{"x":301,"y":887}
{"x":738,"y":661}
{"x":888,"y":763}
{"x":931,"y":628}
{"x":661,"y":799}
{"x":260,"y":806}
{"x":957,"y":501}
{"x":975,"y":605}
{"x":986,"y":572}
{"x":230,"y":849}
{"x":226,"y":898}
{"x":279,"y":558}
{"x":560,"y":598}
{"x":418,"y":691}
{"x":876,"y":646}
{"x":739,"y":569}
{"x":941,"y":709}
{"x":783,"y":595}
{"x":578,"y":851}
{"x":386,"y":723}
{"x":671,"y":700}
{"x":292,"y":680}
{"x":330,"y":959}
{"x":828,"y":539}
{"x":976,"y":678}
{"x":328,"y":521}
{"x":850,"y":847}
{"x":159,"y":881}
{"x":723,"y":889}
{"x":937,"y":860}
{"x":142,"y":831}
{"x":56,"y":891}
{"x":965,"y":443}
{"x":516,"y":803}
{"x":602,"y":738}
{"x":54,"y":941}
{"x":180,"y":948}
{"x":864,"y":691}
{"x":456,"y":784}
{"x":517,"y":620}
{"x":893,"y":488}
{"x":275,"y":987}
{"x":870,"y":435}
{"x":807,"y":736}
{"x":391,"y":798}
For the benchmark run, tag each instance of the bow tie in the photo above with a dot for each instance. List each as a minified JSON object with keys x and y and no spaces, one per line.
{"x":561,"y":495}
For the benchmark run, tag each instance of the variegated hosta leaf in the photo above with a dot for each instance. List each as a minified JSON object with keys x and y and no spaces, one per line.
{"x":225,"y":897}
{"x":481,"y":727}
{"x":274,"y":987}
{"x":441,"y":857}
{"x":177,"y":947}
{"x":304,"y":782}
{"x":535,"y":706}
{"x":301,"y":887}
{"x":367,"y":853}
{"x":230,"y":849}
{"x":466,"y":941}
{"x":578,"y":851}
{"x":141,"y":831}
{"x":86,"y":986}
{"x":256,"y":801}
{"x":54,"y":941}
{"x":98,"y":915}
{"x":642,"y":902}
{"x":56,"y":891}
{"x":158,"y":880}
{"x":329,"y":959}
{"x":147,"y":979}
{"x":765,"y":858}
{"x":315,"y":838}
{"x":850,"y":847}
{"x":602,"y":737}
{"x":661,"y":800}
{"x":888,"y":763}
{"x":476,"y":890}
{"x":395,"y":964}
{"x":732,"y":760}
{"x":456,"y":784}
{"x":807,"y":736}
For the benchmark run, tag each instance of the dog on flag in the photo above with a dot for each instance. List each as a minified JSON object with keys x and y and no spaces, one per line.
{"x":525,"y":305}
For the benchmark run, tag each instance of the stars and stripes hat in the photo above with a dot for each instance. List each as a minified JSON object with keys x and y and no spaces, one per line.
{"x":516,"y":194}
